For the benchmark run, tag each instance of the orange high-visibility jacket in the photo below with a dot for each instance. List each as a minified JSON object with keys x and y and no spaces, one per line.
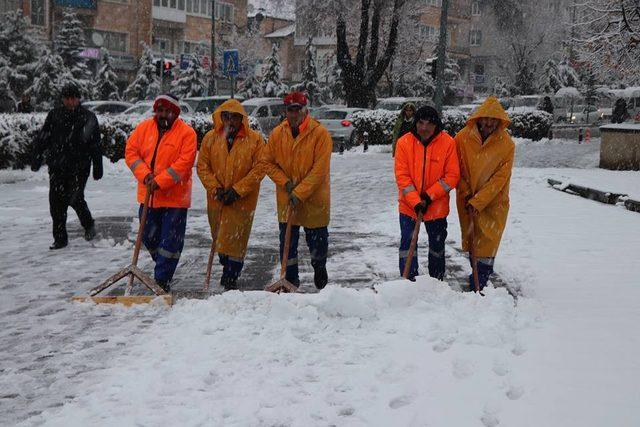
{"x":486,"y":174}
{"x":239,"y":168}
{"x":305,"y":161}
{"x":434,"y":171}
{"x":176,"y":153}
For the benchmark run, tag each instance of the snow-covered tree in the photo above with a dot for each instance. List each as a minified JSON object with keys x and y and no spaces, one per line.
{"x":7,"y":97}
{"x":146,"y":85}
{"x":501,"y":89}
{"x":68,"y":43}
{"x":20,"y":51}
{"x":310,"y":84}
{"x":105,"y":85}
{"x":250,"y":88}
{"x":550,"y":80}
{"x":271,"y":81}
{"x":336,"y":84}
{"x":192,"y":81}
{"x":568,"y":75}
{"x":51,"y":74}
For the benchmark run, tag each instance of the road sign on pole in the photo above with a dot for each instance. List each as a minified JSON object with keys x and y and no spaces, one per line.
{"x":231,"y":63}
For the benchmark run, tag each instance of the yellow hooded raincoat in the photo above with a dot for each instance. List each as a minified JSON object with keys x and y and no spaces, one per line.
{"x":305,"y":161}
{"x":238,"y":168}
{"x":485,"y":172}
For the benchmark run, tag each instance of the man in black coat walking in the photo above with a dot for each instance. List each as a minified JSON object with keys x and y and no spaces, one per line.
{"x":70,"y":143}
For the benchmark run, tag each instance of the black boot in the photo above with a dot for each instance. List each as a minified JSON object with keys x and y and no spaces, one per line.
{"x":320,"y":277}
{"x":164,"y":285}
{"x":90,"y":233}
{"x":229,"y":283}
{"x":58,"y":244}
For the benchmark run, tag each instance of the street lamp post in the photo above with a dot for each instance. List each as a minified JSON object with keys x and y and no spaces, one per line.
{"x":212,"y":62}
{"x":442,"y":55}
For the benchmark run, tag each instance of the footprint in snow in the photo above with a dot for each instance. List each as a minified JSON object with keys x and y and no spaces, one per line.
{"x":346,"y":412}
{"x":500,"y":368}
{"x":444,"y":344}
{"x":518,"y":350}
{"x":462,"y":368}
{"x":400,"y":401}
{"x":515,"y":392}
{"x":489,"y":419}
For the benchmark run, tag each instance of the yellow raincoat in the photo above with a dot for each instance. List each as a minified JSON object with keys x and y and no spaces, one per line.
{"x":240,"y":168}
{"x":305,"y":161}
{"x":485,"y":172}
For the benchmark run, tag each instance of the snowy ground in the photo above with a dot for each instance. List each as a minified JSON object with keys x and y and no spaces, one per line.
{"x":563,"y":354}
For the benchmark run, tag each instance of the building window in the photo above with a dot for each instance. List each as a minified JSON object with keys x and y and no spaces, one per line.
{"x":434,"y":3}
{"x":429,"y":33}
{"x":475,"y":8}
{"x":37,"y":13}
{"x":160,"y":45}
{"x":475,"y":37}
{"x":198,"y":48}
{"x":224,"y":11}
{"x":114,"y":42}
{"x":10,"y":5}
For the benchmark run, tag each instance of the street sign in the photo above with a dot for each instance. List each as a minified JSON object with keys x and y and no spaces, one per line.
{"x":185,"y":60}
{"x":231,"y":63}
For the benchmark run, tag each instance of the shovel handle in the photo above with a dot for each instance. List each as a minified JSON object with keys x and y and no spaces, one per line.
{"x":472,"y":254}
{"x":136,"y":249}
{"x":412,"y":247}
{"x":214,"y":240}
{"x":287,"y":241}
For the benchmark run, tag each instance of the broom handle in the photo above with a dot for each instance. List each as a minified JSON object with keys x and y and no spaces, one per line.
{"x":287,"y":241}
{"x":136,"y":249}
{"x":412,"y":247}
{"x":214,"y":240}
{"x":472,"y":253}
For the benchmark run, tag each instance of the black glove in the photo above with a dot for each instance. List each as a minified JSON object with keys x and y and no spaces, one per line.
{"x":425,"y":198}
{"x":289,"y":187}
{"x":35,"y":166}
{"x":219,"y":194}
{"x":97,"y":170}
{"x":230,"y":197}
{"x":421,"y":208}
{"x":294,"y":200}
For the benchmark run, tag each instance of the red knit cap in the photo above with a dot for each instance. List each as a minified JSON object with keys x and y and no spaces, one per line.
{"x":295,"y":98}
{"x":169,"y":102}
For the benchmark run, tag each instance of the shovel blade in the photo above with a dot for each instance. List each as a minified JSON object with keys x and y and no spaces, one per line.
{"x":282,"y":286}
{"x":127,"y":301}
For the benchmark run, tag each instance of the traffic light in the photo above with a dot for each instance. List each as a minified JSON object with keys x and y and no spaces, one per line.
{"x":167,"y":69}
{"x":159,"y":67}
{"x":434,"y":68}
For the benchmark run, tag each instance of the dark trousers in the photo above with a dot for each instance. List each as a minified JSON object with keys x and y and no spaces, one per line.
{"x":317,"y":241}
{"x":485,"y":270}
{"x":231,"y":267}
{"x":437,"y":232}
{"x":67,"y":190}
{"x":163,"y":236}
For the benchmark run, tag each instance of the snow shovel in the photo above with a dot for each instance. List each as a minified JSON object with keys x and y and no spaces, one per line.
{"x":283,"y":285}
{"x":472,"y":254}
{"x":214,"y":240}
{"x":132,"y":272}
{"x":412,"y":247}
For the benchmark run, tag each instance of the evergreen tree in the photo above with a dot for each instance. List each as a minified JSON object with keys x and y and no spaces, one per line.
{"x":550,"y":81}
{"x":192,"y":81}
{"x":271,"y":84}
{"x":568,"y":75}
{"x":251,"y":88}
{"x":7,"y":97}
{"x":105,"y":85}
{"x":69,"y":43}
{"x":19,"y":50}
{"x":310,"y":83}
{"x":501,"y":89}
{"x":336,"y":85}
{"x":51,"y":74}
{"x":146,"y":85}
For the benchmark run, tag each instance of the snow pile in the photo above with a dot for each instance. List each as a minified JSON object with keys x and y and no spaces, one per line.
{"x":376,"y":125}
{"x":338,"y":357}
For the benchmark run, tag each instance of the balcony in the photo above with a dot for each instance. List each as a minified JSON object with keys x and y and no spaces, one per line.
{"x":169,"y":14}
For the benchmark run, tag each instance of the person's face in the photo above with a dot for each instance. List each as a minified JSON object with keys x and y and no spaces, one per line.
{"x":165,"y":117}
{"x":231,"y":122}
{"x":295,"y":115}
{"x":487,"y":125}
{"x":425,"y":129}
{"x":408,"y":112}
{"x":70,"y":102}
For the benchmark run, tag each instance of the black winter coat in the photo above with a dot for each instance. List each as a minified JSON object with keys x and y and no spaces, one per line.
{"x":69,"y":142}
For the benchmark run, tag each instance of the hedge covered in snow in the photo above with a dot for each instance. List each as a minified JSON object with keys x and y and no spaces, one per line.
{"x":18,"y":133}
{"x":377,"y":125}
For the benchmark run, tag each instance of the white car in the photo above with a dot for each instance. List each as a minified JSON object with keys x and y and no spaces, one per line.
{"x":338,"y":123}
{"x":145,"y":108}
{"x":107,"y":107}
{"x":396,"y":103}
{"x":269,"y":112}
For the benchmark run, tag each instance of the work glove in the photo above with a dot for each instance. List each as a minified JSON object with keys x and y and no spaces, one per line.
{"x":294,"y":200}
{"x":230,"y":196}
{"x":426,"y":198}
{"x":147,"y":179}
{"x":97,"y":170}
{"x":471,"y":210}
{"x":35,"y":166}
{"x":219,"y":194}
{"x":289,"y":187}
{"x":421,"y":208}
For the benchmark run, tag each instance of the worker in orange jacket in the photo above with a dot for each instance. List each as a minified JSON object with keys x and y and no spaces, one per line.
{"x":427,"y":169}
{"x":161,"y":152}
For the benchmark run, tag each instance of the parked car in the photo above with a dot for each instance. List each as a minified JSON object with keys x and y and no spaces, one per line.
{"x":269,"y":112}
{"x":145,"y":108}
{"x":338,"y":123}
{"x":207,"y":104}
{"x":107,"y":107}
{"x":396,"y":103}
{"x":586,"y":115}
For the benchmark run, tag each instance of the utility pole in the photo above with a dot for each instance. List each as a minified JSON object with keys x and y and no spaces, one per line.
{"x":441,"y":55}
{"x":212,"y":62}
